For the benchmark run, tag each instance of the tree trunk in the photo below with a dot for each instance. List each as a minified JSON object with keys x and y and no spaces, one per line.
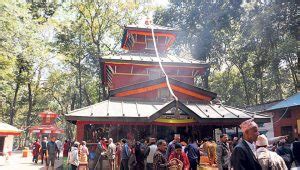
{"x":73,"y":102}
{"x":30,"y":105}
{"x":276,"y":73}
{"x":245,"y":86}
{"x":80,"y":83}
{"x":13,"y":106}
{"x":68,"y":128}
{"x":87,"y":97}
{"x":101,"y":87}
{"x":294,"y":72}
{"x":261,"y":93}
{"x":79,"y":76}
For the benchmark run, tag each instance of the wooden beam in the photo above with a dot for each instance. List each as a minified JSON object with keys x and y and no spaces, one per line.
{"x":162,"y":85}
{"x":141,"y":90}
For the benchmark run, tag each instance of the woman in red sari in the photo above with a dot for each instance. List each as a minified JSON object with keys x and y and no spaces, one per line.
{"x":36,"y":150}
{"x":177,"y":154}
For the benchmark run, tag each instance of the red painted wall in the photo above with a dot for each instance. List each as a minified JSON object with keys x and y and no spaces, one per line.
{"x":292,"y":121}
{"x":125,"y":80}
{"x":79,"y":131}
{"x":128,"y":74}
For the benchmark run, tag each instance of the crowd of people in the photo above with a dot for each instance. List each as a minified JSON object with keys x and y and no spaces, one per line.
{"x":48,"y":151}
{"x":251,"y":152}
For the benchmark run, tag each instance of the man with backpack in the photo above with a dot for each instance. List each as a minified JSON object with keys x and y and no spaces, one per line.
{"x":125,"y":155}
{"x":193,"y":153}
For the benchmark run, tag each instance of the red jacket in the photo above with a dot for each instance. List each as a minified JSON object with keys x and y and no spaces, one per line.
{"x":66,"y":149}
{"x":36,"y":148}
{"x":183,"y":158}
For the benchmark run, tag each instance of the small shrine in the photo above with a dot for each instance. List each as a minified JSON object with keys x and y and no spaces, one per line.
{"x":48,"y":126}
{"x":7,"y":133}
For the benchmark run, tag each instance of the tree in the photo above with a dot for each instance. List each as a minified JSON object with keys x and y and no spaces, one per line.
{"x":101,"y":20}
{"x":23,"y":45}
{"x":250,"y":38}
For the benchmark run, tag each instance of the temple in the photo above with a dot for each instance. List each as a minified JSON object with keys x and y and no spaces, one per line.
{"x":48,"y":126}
{"x":140,"y":104}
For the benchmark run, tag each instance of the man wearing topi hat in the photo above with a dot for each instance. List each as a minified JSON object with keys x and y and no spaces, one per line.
{"x":268,"y":160}
{"x":243,"y":156}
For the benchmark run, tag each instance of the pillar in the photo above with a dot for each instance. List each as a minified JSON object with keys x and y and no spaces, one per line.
{"x":80,"y":131}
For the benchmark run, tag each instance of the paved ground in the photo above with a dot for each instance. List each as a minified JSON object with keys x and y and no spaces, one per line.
{"x":17,"y":162}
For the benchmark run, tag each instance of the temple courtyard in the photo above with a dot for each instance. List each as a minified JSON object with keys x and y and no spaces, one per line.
{"x":16,"y":161}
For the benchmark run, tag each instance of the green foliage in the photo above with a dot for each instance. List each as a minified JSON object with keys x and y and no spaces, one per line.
{"x":252,"y":42}
{"x":49,"y":56}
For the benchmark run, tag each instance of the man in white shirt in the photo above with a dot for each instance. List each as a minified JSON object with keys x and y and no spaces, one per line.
{"x":268,"y":160}
{"x":149,"y":153}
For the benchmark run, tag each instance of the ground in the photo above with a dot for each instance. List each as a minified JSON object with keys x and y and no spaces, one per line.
{"x":16,"y":161}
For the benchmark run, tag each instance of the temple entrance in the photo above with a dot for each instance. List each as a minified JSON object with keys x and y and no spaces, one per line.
{"x":2,"y":138}
{"x":92,"y":132}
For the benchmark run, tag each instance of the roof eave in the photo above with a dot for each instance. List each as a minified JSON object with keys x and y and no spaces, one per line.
{"x":205,"y":65}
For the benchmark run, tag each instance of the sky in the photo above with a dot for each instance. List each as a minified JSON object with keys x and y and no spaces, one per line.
{"x":161,"y":2}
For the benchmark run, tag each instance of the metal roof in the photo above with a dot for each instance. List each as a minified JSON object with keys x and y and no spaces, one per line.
{"x":289,"y":102}
{"x":148,"y":57}
{"x":121,"y":109}
{"x":261,"y":107}
{"x":9,"y":129}
{"x":148,"y":27}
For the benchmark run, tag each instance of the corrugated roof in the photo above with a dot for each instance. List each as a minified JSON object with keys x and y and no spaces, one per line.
{"x":126,"y":109}
{"x":155,"y":27}
{"x":6,"y":128}
{"x":147,"y":57}
{"x":119,"y":108}
{"x":289,"y":102}
{"x":261,"y":107}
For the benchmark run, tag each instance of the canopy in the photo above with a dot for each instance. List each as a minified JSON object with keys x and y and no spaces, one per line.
{"x":6,"y":129}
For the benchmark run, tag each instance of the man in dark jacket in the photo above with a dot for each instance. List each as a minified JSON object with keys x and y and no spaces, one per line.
{"x":44,"y":149}
{"x":171,"y":145}
{"x":125,"y":155}
{"x":159,"y":161}
{"x":243,"y":156}
{"x":223,"y":153}
{"x":285,"y":152}
{"x":296,"y":152}
{"x":193,"y":153}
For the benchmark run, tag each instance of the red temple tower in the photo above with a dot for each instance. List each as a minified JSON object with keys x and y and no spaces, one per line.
{"x":48,"y":126}
{"x":140,"y":62}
